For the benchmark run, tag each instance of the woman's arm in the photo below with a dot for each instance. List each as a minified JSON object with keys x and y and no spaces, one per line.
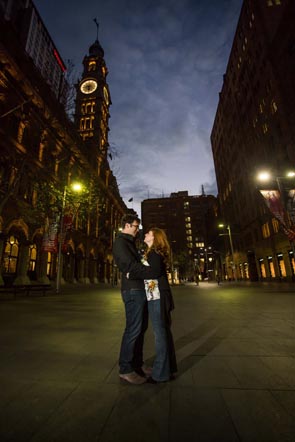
{"x":155,"y":266}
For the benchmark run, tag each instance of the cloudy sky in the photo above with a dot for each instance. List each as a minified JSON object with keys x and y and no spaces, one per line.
{"x":166,"y":60}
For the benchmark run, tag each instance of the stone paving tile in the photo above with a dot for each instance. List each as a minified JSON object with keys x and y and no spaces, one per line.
{"x":31,"y":408}
{"x":212,"y":372}
{"x":251,"y":372}
{"x":200,"y":415}
{"x":82,"y":416}
{"x":141,"y":414}
{"x":287,"y":400}
{"x":258,"y":416}
{"x":283,"y":366}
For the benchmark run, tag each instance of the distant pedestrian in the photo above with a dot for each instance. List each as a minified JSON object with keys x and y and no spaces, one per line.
{"x":127,"y":258}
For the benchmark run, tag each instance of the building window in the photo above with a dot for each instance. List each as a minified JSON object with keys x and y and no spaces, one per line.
{"x":274,"y":107}
{"x":92,"y":66}
{"x":86,"y":123}
{"x":32,"y":257}
{"x":271,"y":267}
{"x":281,"y":264}
{"x":11,"y":255}
{"x":49,"y":264}
{"x":275,"y":225}
{"x":262,"y":268}
{"x":265,"y":231}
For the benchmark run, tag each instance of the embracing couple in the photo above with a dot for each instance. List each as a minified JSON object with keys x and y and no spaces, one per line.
{"x":146,"y":294}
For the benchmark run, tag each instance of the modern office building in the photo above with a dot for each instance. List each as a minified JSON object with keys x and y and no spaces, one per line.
{"x":37,"y":43}
{"x":190,"y":224}
{"x":254,"y":130}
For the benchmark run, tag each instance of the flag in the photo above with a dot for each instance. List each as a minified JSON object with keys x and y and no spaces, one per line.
{"x":49,"y":243}
{"x":273,"y":201}
{"x":130,"y":199}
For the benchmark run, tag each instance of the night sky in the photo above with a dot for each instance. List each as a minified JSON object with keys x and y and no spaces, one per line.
{"x":166,"y":60}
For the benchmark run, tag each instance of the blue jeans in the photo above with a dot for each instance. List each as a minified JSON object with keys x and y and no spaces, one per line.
{"x":161,"y":366}
{"x":131,"y":354}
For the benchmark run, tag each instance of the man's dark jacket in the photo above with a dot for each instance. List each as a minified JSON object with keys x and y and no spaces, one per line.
{"x":127,"y":258}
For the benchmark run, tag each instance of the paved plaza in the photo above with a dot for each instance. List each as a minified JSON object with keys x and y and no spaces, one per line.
{"x":235,"y":347}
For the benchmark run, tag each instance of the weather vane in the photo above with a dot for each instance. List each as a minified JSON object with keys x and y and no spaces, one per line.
{"x":97,"y":25}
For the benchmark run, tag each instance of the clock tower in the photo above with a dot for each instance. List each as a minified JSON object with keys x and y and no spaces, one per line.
{"x":92,"y":103}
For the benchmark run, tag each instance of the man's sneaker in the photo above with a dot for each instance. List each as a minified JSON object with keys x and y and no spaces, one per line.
{"x":132,"y":378}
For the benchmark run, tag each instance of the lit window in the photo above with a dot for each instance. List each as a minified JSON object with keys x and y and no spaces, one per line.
{"x":89,"y":107}
{"x":269,"y":3}
{"x":33,"y":257}
{"x":274,"y":107}
{"x":275,"y":225}
{"x":264,"y":128}
{"x":11,"y":255}
{"x":265,"y":231}
{"x":49,"y":264}
{"x":92,"y":66}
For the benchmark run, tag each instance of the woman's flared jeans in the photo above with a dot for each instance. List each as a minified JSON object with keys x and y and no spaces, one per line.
{"x":161,"y":366}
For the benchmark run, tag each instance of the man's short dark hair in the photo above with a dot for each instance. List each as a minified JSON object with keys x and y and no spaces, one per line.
{"x":128,"y":218}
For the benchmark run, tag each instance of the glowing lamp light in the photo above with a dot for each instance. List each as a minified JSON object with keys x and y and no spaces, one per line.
{"x":77,"y":187}
{"x":264,"y":176}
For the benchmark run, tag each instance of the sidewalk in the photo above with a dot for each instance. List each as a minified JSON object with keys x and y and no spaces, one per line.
{"x":236,"y":354}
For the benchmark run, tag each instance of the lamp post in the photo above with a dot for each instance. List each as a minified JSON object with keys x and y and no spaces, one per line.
{"x":231,"y":248}
{"x":76,"y":187}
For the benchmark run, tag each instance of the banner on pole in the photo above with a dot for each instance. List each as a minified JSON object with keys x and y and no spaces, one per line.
{"x":273,"y":200}
{"x":50,"y":240}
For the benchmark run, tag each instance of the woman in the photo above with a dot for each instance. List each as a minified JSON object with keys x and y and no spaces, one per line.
{"x":160,"y":304}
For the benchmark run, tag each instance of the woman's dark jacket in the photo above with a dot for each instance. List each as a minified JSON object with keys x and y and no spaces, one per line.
{"x":157,"y":264}
{"x":128,"y":260}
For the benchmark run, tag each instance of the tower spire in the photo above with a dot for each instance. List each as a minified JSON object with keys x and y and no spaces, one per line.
{"x":97,"y":26}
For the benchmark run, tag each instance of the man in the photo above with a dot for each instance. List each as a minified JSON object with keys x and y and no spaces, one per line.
{"x":127,"y":258}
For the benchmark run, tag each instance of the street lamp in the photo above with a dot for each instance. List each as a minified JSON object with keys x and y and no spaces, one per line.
{"x":76,"y":187}
{"x":231,"y":248}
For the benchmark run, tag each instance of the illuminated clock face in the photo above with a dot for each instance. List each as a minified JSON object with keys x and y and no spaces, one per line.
{"x":106,"y":95}
{"x":88,"y":86}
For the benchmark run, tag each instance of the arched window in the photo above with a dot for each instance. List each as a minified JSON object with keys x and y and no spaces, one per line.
{"x":33,"y":257}
{"x":11,"y":255}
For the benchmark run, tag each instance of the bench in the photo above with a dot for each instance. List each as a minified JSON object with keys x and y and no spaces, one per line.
{"x":27,"y":288}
